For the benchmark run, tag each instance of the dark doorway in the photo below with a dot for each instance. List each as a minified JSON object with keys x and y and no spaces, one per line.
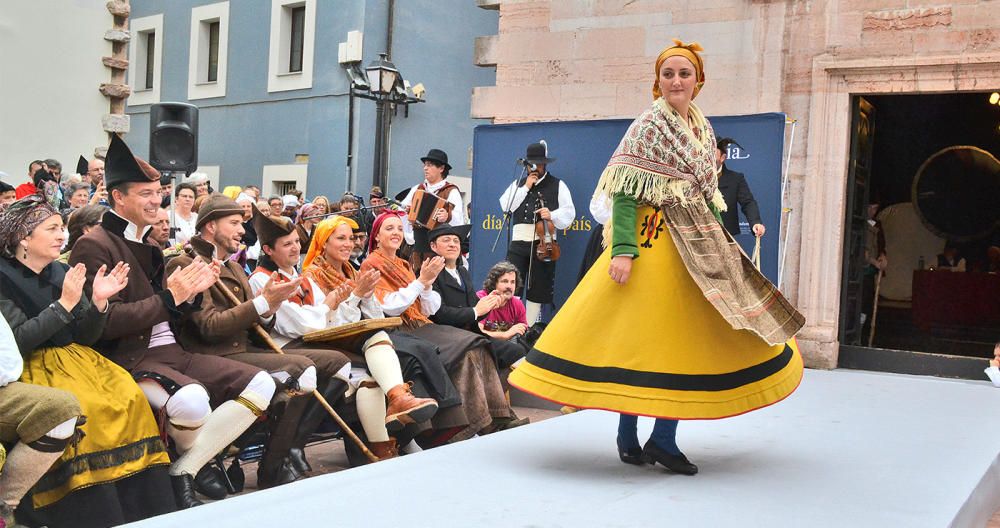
{"x":929,"y":162}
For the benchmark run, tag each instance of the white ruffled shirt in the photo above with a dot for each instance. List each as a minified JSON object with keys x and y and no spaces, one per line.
{"x":293,"y":321}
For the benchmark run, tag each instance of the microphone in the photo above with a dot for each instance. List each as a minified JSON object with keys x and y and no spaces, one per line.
{"x":527,"y":164}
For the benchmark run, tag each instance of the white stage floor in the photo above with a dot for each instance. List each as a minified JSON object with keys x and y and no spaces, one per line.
{"x":849,"y":448}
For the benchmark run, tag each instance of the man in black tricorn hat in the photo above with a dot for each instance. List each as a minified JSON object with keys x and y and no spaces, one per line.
{"x":538,"y":196}
{"x":436,"y":170}
{"x":138,"y":336}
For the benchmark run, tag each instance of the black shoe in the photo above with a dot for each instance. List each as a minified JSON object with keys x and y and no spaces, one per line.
{"x":677,"y":463}
{"x":268,"y":477}
{"x":297,"y":456}
{"x":632,"y":455}
{"x":183,"y":485}
{"x":209,"y":482}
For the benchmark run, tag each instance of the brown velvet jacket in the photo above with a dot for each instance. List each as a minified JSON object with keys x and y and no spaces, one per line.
{"x":219,"y":328}
{"x":134,"y":311}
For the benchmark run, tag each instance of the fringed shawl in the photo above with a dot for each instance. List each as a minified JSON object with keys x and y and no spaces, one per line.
{"x":396,"y":275}
{"x":663,"y":160}
{"x":328,"y":276}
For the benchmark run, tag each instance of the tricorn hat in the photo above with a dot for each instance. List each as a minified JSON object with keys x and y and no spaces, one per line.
{"x":82,"y":166}
{"x":461,"y":231}
{"x":270,"y":228}
{"x":538,"y":153}
{"x":215,"y":207}
{"x":121,"y":166}
{"x":437,"y":156}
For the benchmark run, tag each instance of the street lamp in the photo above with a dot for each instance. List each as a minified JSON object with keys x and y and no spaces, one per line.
{"x":380,"y":82}
{"x":382,"y":75}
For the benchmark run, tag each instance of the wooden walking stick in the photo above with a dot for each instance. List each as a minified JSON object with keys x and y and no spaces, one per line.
{"x":871,"y":333}
{"x":319,"y":397}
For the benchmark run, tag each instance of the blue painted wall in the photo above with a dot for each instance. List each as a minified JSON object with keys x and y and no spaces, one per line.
{"x":432,"y":43}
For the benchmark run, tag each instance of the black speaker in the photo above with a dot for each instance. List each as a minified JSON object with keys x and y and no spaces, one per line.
{"x":173,"y":137}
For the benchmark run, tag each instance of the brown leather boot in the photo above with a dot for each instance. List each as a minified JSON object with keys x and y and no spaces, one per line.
{"x":384,"y":450}
{"x":405,"y":408}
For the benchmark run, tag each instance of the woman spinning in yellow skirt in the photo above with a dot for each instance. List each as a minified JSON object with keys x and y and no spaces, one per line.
{"x":683,"y":326}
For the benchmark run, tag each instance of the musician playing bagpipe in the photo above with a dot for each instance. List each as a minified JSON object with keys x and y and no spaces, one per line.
{"x":538,"y":197}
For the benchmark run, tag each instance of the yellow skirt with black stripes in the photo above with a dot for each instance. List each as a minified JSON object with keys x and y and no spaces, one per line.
{"x":654,"y":346}
{"x":120,"y":436}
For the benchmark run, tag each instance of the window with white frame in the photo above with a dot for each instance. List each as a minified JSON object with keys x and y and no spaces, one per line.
{"x":208,"y":51}
{"x":279,"y":179}
{"x":145,"y":52}
{"x":293,"y":32}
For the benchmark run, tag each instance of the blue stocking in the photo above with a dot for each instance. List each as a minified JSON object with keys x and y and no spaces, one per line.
{"x":665,"y":435}
{"x":626,"y":431}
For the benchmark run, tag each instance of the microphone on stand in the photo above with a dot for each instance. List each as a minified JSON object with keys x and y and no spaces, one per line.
{"x":527,"y":164}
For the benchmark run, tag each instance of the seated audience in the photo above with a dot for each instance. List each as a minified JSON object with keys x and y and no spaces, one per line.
{"x":316,"y":309}
{"x":54,"y":324}
{"x":460,"y":306}
{"x":465,"y":354}
{"x":509,"y":318}
{"x":38,"y":421}
{"x":182,"y":385}
{"x":328,"y":267}
{"x":221,"y":329}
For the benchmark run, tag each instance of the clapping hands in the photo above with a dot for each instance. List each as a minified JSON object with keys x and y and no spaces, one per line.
{"x":105,"y":286}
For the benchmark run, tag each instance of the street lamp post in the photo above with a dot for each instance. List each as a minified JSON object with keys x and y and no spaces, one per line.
{"x":382,"y":78}
{"x":380,"y":82}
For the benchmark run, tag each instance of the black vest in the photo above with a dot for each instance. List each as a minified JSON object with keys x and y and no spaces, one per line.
{"x":547,"y":189}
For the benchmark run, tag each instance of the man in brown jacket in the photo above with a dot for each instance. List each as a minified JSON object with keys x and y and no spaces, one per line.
{"x":138,"y":336}
{"x":221,"y":329}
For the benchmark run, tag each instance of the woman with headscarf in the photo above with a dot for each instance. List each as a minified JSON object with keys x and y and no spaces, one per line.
{"x":304,"y":225}
{"x":465,"y":355}
{"x":328,"y":264}
{"x":116,"y":473}
{"x":689,"y":331}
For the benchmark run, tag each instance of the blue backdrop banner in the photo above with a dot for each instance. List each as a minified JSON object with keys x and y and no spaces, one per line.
{"x":582,"y":150}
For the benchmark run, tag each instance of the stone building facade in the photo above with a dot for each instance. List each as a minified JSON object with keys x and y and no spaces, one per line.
{"x":592,"y":59}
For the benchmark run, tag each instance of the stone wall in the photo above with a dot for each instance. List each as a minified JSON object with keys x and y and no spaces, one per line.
{"x":592,"y":59}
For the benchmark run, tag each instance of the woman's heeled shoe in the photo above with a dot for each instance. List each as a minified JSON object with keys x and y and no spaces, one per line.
{"x":677,"y":463}
{"x":632,"y":455}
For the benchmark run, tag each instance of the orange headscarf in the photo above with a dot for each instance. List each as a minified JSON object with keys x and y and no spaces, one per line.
{"x":689,"y":52}
{"x":321,"y":233}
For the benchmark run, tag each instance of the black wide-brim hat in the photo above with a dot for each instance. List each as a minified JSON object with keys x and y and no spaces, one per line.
{"x":538,"y":153}
{"x":437,"y":156}
{"x":461,"y":231}
{"x":82,"y":166}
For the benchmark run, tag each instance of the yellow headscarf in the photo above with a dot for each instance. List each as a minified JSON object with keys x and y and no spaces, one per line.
{"x":232,"y":191}
{"x":321,"y":233}
{"x":689,"y":52}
